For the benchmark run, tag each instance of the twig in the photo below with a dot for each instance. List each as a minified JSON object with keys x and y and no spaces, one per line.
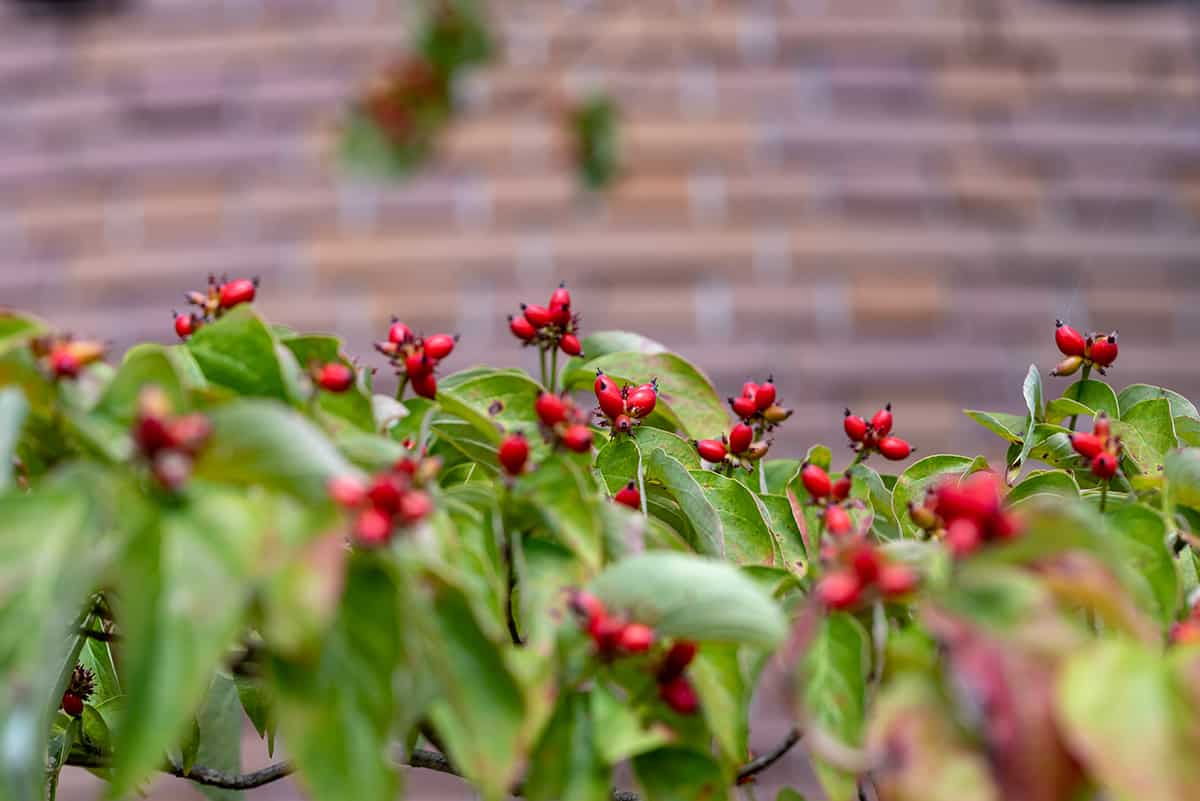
{"x":761,"y":763}
{"x":101,"y":636}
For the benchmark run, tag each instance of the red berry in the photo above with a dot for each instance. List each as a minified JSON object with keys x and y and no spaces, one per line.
{"x":189,"y":432}
{"x":636,"y":638}
{"x":570,"y":345}
{"x":578,"y":438}
{"x":963,"y":536}
{"x":840,"y":589}
{"x":855,"y":426}
{"x":1101,"y":427}
{"x":521,"y":328}
{"x":171,"y":468}
{"x":399,"y":333}
{"x":417,"y":364}
{"x":186,"y":325}
{"x":240,"y":290}
{"x":679,"y":695}
{"x":152,"y":435}
{"x":629,"y":496}
{"x":414,"y":507}
{"x":425,"y":385}
{"x":680,"y":655}
{"x":882,"y":421}
{"x":841,"y":488}
{"x":1069,"y":341}
{"x":513,"y":453}
{"x":815,"y":480}
{"x":1104,"y":465}
{"x":765,"y":396}
{"x":749,"y":390}
{"x":711,"y":450}
{"x":550,"y":408}
{"x":604,"y":384}
{"x":63,"y":363}
{"x":560,"y":297}
{"x":406,"y":465}
{"x":560,"y":315}
{"x":1087,"y":445}
{"x":837,"y":520}
{"x":897,"y":579}
{"x":538,"y":316}
{"x":586,"y":605}
{"x":1104,"y":350}
{"x":641,"y":401}
{"x":72,"y":704}
{"x":894,"y":448}
{"x":976,"y":497}
{"x":740,"y":437}
{"x":347,"y":491}
{"x":385,"y":493}
{"x":439,"y":346}
{"x":622,"y":424}
{"x":611,"y":402}
{"x":372,"y":527}
{"x":605,"y":632}
{"x":335,"y":377}
{"x":1185,"y":633}
{"x":744,"y":407}
{"x":866,"y":563}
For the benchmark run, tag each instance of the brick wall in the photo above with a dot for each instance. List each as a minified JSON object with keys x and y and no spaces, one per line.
{"x":876,"y":199}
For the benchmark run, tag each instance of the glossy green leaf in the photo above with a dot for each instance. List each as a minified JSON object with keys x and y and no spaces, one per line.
{"x":869,"y":486}
{"x":1147,"y":431}
{"x":1182,"y":470}
{"x":567,"y":764}
{"x":707,"y":527}
{"x":1136,"y":393}
{"x":679,"y":774}
{"x":143,"y":366}
{"x":13,"y":409}
{"x":725,"y":686}
{"x":675,"y":446}
{"x":494,"y":402}
{"x":1188,"y":430}
{"x":1144,"y":540}
{"x":1031,"y":390}
{"x":220,"y":746}
{"x":624,"y":734}
{"x":1044,"y":482}
{"x":1009,"y":426}
{"x":748,"y":539}
{"x":789,"y":538}
{"x":618,"y":463}
{"x":1095,"y":395}
{"x":602,"y":343}
{"x":354,"y":406}
{"x":921,"y":474}
{"x":681,"y":595}
{"x":258,"y":708}
{"x":561,"y":495}
{"x":1060,"y":409}
{"x":239,"y":352}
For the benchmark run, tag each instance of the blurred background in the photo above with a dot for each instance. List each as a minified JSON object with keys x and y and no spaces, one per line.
{"x":873,"y":199}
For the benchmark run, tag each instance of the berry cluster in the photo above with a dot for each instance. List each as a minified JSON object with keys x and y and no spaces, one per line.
{"x":875,"y":436}
{"x":629,"y":496}
{"x":735,"y":449}
{"x":624,"y":407}
{"x":613,"y":637}
{"x":218,"y":298}
{"x":79,"y":689}
{"x":415,"y":358}
{"x":563,"y":423}
{"x":756,"y":405}
{"x":513,"y":453}
{"x":392,"y":499}
{"x":831,"y":494}
{"x":1100,"y":449}
{"x":169,"y":443}
{"x":1187,"y":632}
{"x":549,"y":327}
{"x":64,"y":356}
{"x":1097,"y":349}
{"x":333,"y":376}
{"x":965,"y":514}
{"x":860,"y":573}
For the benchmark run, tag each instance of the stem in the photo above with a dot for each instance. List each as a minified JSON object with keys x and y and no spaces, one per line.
{"x":859,"y":457}
{"x":554,"y":370}
{"x":762,"y":478}
{"x":879,"y":636}
{"x":400,"y":389}
{"x":542,"y":365}
{"x":641,"y":480}
{"x":1103,"y":495}
{"x":761,"y":763}
{"x":1087,"y":371}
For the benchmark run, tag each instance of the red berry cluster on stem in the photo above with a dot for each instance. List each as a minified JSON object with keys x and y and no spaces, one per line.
{"x":830,"y":494}
{"x":738,"y":448}
{"x":859,"y":573}
{"x":549,"y":327}
{"x":1100,"y":449}
{"x":334,"y":377}
{"x":622,"y":408}
{"x":217,"y":298}
{"x":167,"y":442}
{"x":875,"y":436}
{"x":1097,"y":349}
{"x":965,"y":514}
{"x":64,"y":356}
{"x":563,"y":423}
{"x":392,"y":499}
{"x":1187,"y":631}
{"x":513,"y":453}
{"x":79,"y":690}
{"x":415,"y":358}
{"x":756,"y":406}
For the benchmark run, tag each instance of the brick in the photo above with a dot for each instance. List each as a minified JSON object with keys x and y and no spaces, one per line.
{"x":884,"y":301}
{"x":983,"y":187}
{"x":982,"y":87}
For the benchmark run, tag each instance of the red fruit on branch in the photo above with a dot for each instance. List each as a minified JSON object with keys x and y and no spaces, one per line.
{"x":335,"y":377}
{"x":1069,"y":341}
{"x":629,"y":496}
{"x":740,"y":437}
{"x":570,"y":345}
{"x":764,"y":397}
{"x":622,"y":424}
{"x":424,"y":385}
{"x":963,"y":536}
{"x":837,"y":520}
{"x":1086,"y":445}
{"x":513,"y":454}
{"x":560,"y":298}
{"x":840,"y":589}
{"x":399,"y":333}
{"x":152,"y":435}
{"x":237,"y":291}
{"x":550,"y":409}
{"x":186,"y":325}
{"x":1104,"y":350}
{"x":385,"y":493}
{"x":1101,"y":426}
{"x":711,"y":450}
{"x":415,"y":506}
{"x":538,"y":316}
{"x":521,"y":328}
{"x":840,"y":490}
{"x":744,"y":407}
{"x":677,"y":659}
{"x":372,"y":527}
{"x":611,"y":402}
{"x":347,"y":491}
{"x":866,"y":563}
{"x":418,"y":364}
{"x":1067,"y":366}
{"x":895,"y":579}
{"x":641,"y":401}
{"x":855,"y":426}
{"x":72,"y":704}
{"x":882,"y":421}
{"x":585,"y":605}
{"x":604,"y":384}
{"x":439,"y":346}
{"x":635,"y":638}
{"x":1104,"y":465}
{"x":894,"y":448}
{"x":679,"y":695}
{"x":64,"y":363}
{"x":578,"y":438}
{"x":815,"y":480}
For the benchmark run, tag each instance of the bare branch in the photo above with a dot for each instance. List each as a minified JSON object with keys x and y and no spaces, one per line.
{"x":761,"y":763}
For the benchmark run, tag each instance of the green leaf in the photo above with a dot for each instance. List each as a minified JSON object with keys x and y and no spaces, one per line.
{"x":354,"y":406}
{"x":1143,"y":537}
{"x":725,"y":687}
{"x":778,"y":512}
{"x":681,"y":595}
{"x":96,"y":657}
{"x":1044,"y":482}
{"x":258,"y":708}
{"x":1182,"y":470}
{"x":648,"y":438}
{"x":17,"y":329}
{"x":683,"y":389}
{"x":13,"y":409}
{"x":707,"y":529}
{"x":1060,"y":409}
{"x":494,"y":401}
{"x":1147,"y":431}
{"x":833,"y":678}
{"x":1121,"y":710}
{"x":259,"y":443}
{"x":567,"y":764}
{"x":679,"y":774}
{"x":602,"y":343}
{"x":625,"y":735}
{"x":240,"y":352}
{"x":561,"y":496}
{"x":220,"y":746}
{"x":1188,"y":430}
{"x":143,"y":366}
{"x":921,"y":474}
{"x":618,"y":463}
{"x":1136,"y":393}
{"x":789,"y":794}
{"x":747,"y":538}
{"x":1032,"y":392}
{"x":1095,"y":395}
{"x":1009,"y":426}
{"x":95,"y":736}
{"x":868,"y":485}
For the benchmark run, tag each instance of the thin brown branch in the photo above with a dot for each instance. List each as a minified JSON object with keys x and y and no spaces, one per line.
{"x":761,"y":763}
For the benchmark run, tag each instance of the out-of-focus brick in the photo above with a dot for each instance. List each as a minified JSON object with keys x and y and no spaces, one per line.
{"x":896,"y":298}
{"x":974,"y":87}
{"x":985,"y":188}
